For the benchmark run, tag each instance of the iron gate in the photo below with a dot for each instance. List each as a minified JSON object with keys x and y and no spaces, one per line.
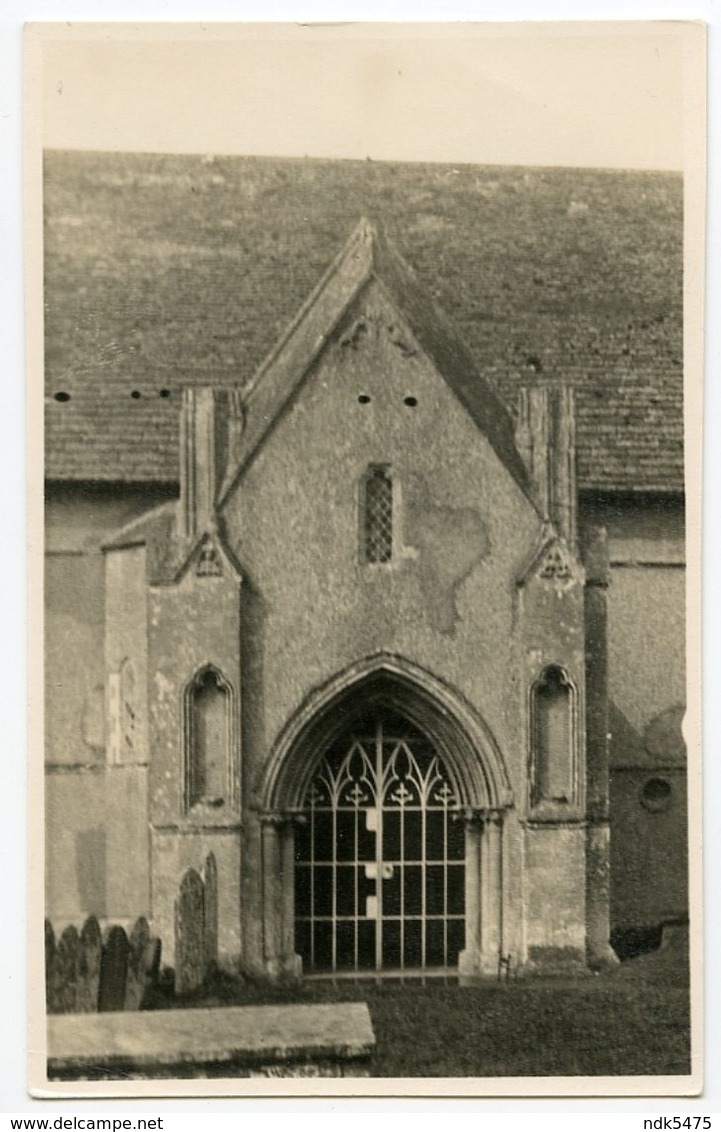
{"x":380,"y":873}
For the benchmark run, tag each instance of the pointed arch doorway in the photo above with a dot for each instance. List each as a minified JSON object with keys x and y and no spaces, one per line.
{"x":380,"y":856}
{"x":384,"y":801}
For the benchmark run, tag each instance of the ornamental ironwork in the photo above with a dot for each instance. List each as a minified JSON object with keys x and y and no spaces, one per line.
{"x":380,"y":861}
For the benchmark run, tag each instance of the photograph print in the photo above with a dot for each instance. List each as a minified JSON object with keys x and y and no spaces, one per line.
{"x":370,"y":725}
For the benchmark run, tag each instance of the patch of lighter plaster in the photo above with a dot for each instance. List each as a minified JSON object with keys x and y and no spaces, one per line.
{"x":449,"y":543}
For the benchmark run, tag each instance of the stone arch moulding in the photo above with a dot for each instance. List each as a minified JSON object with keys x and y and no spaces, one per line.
{"x":469,"y":749}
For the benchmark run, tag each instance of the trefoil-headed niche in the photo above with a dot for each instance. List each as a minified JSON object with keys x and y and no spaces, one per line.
{"x":553,"y":741}
{"x":208,"y":740}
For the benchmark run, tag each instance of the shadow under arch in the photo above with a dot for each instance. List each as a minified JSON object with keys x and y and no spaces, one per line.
{"x":466,"y":744}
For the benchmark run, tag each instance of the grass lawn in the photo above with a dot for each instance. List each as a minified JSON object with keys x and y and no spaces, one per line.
{"x":633,"y":1020}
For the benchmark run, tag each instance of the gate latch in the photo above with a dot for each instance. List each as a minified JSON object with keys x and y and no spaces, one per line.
{"x":374,"y":870}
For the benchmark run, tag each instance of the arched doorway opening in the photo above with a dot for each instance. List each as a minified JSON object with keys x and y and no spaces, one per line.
{"x":380,"y":854}
{"x":382,"y":826}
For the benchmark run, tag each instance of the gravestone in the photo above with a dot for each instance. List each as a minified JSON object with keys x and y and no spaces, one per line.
{"x":51,"y":969}
{"x":143,"y":963}
{"x":113,"y":970}
{"x":68,"y":962}
{"x":190,"y":934}
{"x":210,"y":912}
{"x":91,"y":947}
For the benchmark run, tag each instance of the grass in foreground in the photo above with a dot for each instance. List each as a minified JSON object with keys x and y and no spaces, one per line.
{"x":633,"y":1020}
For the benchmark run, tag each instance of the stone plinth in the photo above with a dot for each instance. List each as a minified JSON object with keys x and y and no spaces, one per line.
{"x":322,"y":1040}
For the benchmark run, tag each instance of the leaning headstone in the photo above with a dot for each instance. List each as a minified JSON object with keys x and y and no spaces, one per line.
{"x":91,"y":945}
{"x":113,"y":970}
{"x":210,"y":914}
{"x":143,"y":964}
{"x":68,"y":955}
{"x":189,"y":934}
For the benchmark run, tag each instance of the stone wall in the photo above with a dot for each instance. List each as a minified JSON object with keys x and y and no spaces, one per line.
{"x":464,"y":532}
{"x":647,"y":679}
{"x":647,"y":642}
{"x":78,"y":519}
{"x":192,"y":625}
{"x":96,"y":812}
{"x":97,"y":851}
{"x":649,"y":849}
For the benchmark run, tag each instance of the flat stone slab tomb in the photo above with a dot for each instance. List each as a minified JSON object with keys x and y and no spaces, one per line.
{"x":248,"y":1041}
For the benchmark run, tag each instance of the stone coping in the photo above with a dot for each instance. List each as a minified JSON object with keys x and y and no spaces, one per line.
{"x":244,"y":1035}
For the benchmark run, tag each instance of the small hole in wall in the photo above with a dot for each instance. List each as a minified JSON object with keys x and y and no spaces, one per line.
{"x":364,"y":399}
{"x":61,"y":396}
{"x":135,"y":395}
{"x":164,"y":393}
{"x":411,"y":402}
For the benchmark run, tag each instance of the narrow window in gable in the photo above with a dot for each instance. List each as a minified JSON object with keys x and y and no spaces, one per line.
{"x":378,"y":515}
{"x":552,"y":738}
{"x":207,"y":739}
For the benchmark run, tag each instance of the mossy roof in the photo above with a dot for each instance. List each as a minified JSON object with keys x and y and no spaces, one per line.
{"x":163,"y":271}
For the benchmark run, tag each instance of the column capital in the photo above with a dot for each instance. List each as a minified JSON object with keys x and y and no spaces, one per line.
{"x":479,"y":815}
{"x":278,"y":819}
{"x":271,"y":818}
{"x":470,"y":816}
{"x":494,"y":816}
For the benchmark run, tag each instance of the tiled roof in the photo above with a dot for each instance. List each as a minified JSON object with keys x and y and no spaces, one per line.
{"x":163,"y":271}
